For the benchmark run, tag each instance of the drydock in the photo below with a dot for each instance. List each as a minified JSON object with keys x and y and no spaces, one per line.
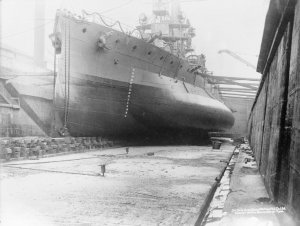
{"x":129,"y":127}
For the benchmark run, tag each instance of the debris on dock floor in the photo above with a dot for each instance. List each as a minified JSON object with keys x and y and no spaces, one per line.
{"x":167,"y":188}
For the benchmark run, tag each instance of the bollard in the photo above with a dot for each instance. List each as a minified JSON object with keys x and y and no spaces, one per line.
{"x":127,"y":150}
{"x":216,"y":144}
{"x":102,"y":169}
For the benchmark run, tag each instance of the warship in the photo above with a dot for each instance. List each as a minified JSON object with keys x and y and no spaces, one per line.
{"x":112,"y":81}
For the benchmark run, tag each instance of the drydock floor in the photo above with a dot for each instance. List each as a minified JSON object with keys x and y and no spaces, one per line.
{"x":147,"y":186}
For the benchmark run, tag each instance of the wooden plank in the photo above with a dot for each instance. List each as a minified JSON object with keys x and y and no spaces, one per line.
{"x":238,"y":93}
{"x":237,"y":90}
{"x":250,"y":86}
{"x":239,"y":97}
{"x":229,"y":78}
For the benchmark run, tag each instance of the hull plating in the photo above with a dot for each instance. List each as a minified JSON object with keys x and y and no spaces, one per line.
{"x":129,"y":87}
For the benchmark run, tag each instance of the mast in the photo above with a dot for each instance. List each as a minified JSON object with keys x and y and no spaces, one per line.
{"x":169,"y":28}
{"x":175,"y":11}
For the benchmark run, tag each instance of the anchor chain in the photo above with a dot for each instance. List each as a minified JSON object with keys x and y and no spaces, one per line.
{"x":54,"y":93}
{"x":64,"y":130}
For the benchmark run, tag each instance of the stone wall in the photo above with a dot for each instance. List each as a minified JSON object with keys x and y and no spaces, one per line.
{"x":38,"y":147}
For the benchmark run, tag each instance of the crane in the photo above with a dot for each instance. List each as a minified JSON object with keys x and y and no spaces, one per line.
{"x":234,"y":55}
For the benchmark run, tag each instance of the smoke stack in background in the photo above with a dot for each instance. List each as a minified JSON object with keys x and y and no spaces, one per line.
{"x":39,"y":33}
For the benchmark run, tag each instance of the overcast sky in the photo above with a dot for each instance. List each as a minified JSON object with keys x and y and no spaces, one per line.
{"x":236,"y":25}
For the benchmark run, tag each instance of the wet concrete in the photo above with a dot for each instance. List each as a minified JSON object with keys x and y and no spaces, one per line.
{"x":148,"y":186}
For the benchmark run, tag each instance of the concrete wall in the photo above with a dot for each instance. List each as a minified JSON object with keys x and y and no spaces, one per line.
{"x":15,"y":122}
{"x":31,"y":115}
{"x":274,"y":122}
{"x":241,"y":109}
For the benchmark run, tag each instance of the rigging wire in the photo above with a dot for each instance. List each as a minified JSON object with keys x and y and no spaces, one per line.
{"x":25,"y":31}
{"x":66,"y":160}
{"x":55,"y":161}
{"x":52,"y":171}
{"x":103,"y":21}
{"x":117,"y":22}
{"x":117,"y":7}
{"x":180,"y":1}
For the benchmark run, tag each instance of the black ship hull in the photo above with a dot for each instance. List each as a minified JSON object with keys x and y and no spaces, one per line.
{"x":128,"y":87}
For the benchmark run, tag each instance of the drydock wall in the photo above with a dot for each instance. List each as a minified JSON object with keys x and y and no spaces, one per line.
{"x":26,"y":96}
{"x":241,"y":109}
{"x":15,"y":121}
{"x":274,"y":122}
